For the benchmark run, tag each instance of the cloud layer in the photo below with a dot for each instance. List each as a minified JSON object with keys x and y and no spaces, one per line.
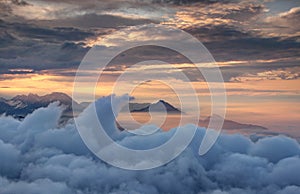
{"x":46,"y":35}
{"x":38,"y":157}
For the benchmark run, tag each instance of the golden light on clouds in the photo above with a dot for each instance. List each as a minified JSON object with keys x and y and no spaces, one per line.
{"x":200,"y":15}
{"x":44,"y":82}
{"x":34,"y":83}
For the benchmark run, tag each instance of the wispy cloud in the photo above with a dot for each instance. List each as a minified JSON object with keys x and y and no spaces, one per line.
{"x":268,"y":75}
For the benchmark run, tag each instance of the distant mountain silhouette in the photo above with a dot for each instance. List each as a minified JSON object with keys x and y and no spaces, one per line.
{"x":22,"y":105}
{"x":159,"y":106}
{"x":230,"y":125}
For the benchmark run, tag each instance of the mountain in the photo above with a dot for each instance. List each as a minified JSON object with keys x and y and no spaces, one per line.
{"x":231,"y":125}
{"x":159,"y":106}
{"x":137,"y":106}
{"x":22,"y":105}
{"x":144,"y":107}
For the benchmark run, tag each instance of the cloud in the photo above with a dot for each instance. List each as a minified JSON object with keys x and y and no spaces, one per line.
{"x":94,"y":20}
{"x":44,"y":186}
{"x":68,"y":11}
{"x":276,"y":148}
{"x":20,"y":2}
{"x":37,"y":157}
{"x":291,"y":14}
{"x":284,"y":24}
{"x":8,"y":154}
{"x":241,"y":30}
{"x":40,"y":48}
{"x":251,"y":47}
{"x":33,"y":37}
{"x":268,"y":75}
{"x":52,"y":43}
{"x":261,"y":58}
{"x":238,"y":14}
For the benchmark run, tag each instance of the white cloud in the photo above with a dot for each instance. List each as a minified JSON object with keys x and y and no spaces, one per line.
{"x":10,"y":164}
{"x":37,"y":157}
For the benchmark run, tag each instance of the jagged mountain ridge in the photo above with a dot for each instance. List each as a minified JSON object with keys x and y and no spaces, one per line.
{"x":22,"y":105}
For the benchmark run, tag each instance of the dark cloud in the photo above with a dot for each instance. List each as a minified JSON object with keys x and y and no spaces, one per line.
{"x":95,"y":21}
{"x":57,"y":43}
{"x":244,"y":13}
{"x":6,"y":38}
{"x":226,"y":43}
{"x":215,"y":33}
{"x":29,"y":31}
{"x":33,"y":47}
{"x":183,"y":2}
{"x":177,"y":2}
{"x":41,"y":56}
{"x":51,"y":44}
{"x":5,"y":10}
{"x":189,"y":2}
{"x":248,"y":48}
{"x":19,"y":2}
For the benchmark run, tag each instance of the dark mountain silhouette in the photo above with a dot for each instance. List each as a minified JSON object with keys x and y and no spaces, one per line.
{"x":22,"y":105}
{"x":159,"y":106}
{"x":230,"y":125}
{"x":137,"y":106}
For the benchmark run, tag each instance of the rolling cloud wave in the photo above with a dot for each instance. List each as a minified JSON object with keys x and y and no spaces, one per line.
{"x":39,"y":157}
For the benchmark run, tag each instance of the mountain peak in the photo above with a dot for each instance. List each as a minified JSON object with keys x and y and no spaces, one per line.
{"x":33,"y":98}
{"x":157,"y":107}
{"x":163,"y":102}
{"x":58,"y":96}
{"x":21,"y":105}
{"x":33,"y":95}
{"x":214,"y":117}
{"x":26,"y":98}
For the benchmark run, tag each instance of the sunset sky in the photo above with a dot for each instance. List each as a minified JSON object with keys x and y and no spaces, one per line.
{"x":255,"y":43}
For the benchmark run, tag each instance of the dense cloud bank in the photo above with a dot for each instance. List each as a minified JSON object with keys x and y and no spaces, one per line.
{"x":37,"y":157}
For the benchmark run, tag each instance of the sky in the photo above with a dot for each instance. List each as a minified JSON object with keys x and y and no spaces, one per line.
{"x":256,"y":45}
